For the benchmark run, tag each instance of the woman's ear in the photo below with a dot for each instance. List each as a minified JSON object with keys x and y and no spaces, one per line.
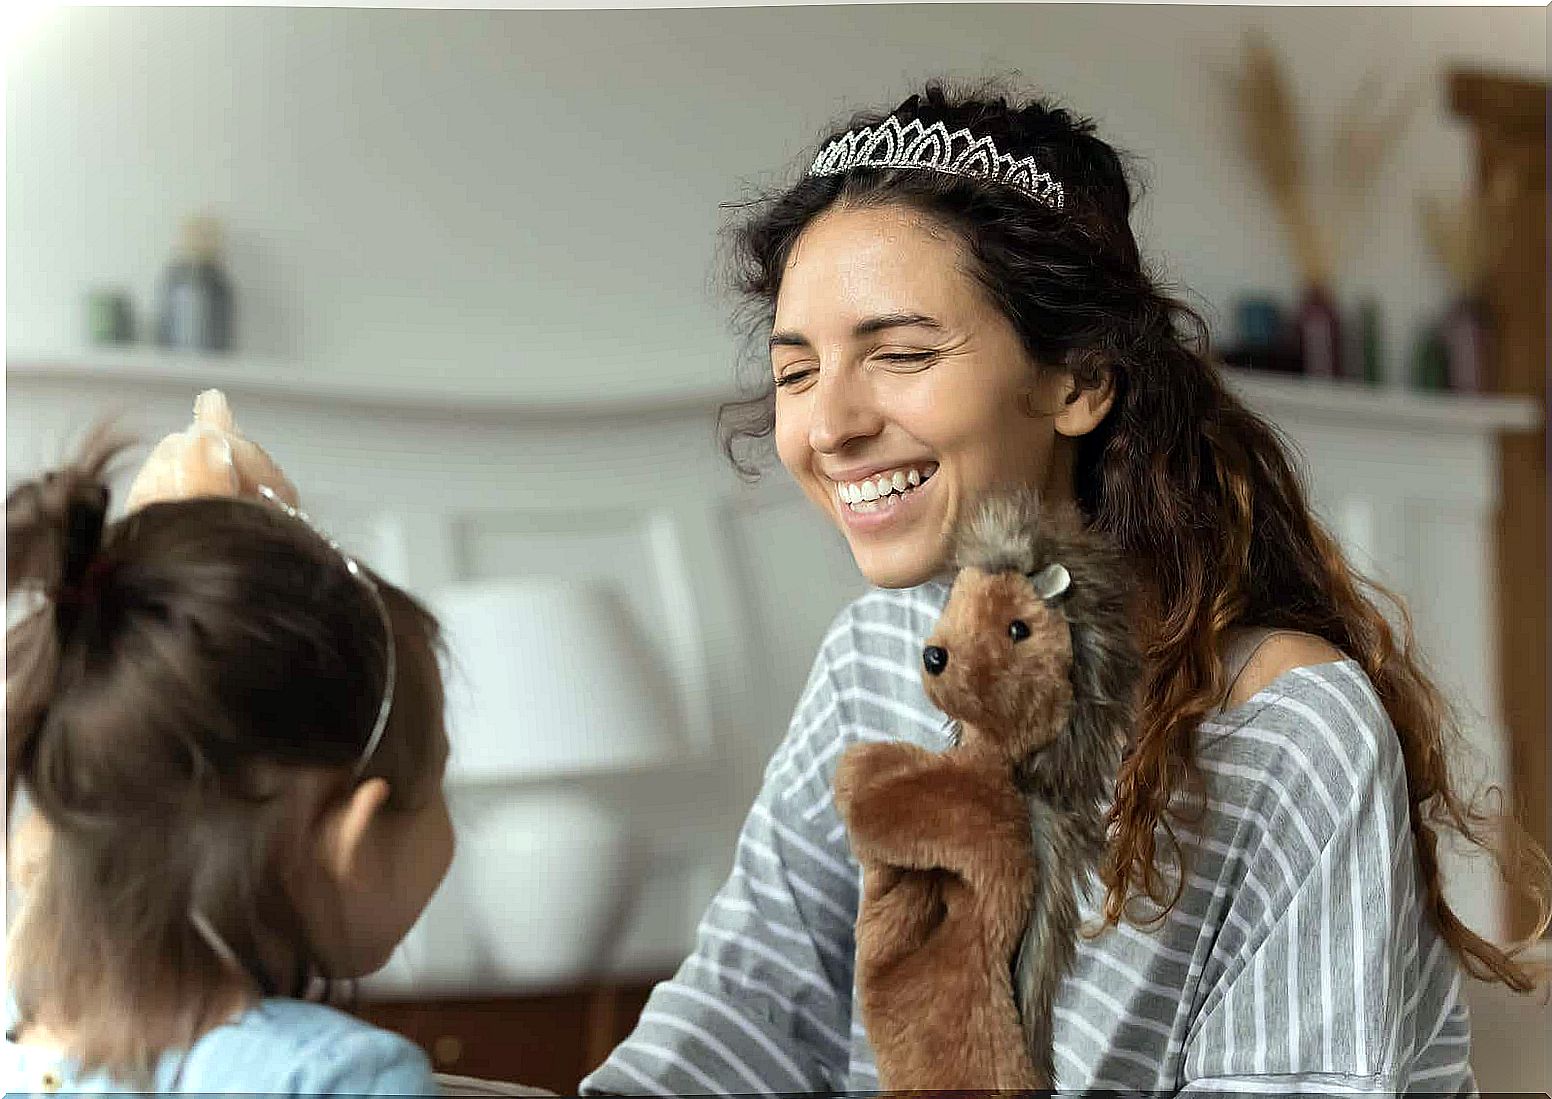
{"x":1083,"y":408}
{"x":344,"y":827}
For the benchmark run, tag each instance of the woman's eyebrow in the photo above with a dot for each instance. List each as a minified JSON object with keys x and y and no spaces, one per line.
{"x":863,"y":328}
{"x":894,"y":320}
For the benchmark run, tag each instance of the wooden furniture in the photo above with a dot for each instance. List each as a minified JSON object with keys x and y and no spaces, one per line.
{"x":1509,"y":117}
{"x":549,"y":1041}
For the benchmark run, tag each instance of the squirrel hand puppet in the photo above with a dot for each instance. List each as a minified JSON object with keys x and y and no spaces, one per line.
{"x":210,"y":458}
{"x":973,"y":857}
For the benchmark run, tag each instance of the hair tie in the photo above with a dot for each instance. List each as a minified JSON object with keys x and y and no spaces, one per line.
{"x":86,"y":590}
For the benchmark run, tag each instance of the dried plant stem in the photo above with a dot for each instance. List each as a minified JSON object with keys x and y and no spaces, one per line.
{"x":1272,"y":142}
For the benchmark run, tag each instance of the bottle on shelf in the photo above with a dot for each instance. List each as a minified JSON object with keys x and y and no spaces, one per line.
{"x":1319,"y":328}
{"x":196,"y":296}
{"x":1369,"y":349}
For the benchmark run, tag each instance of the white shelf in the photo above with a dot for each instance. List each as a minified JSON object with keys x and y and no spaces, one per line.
{"x":241,"y":376}
{"x":1384,"y":406}
{"x":1274,"y":396}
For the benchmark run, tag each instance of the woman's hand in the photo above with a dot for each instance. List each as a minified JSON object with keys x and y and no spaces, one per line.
{"x":211,"y":458}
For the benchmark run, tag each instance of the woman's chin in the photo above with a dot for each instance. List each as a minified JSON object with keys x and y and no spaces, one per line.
{"x":897,"y":543}
{"x":903,"y":565}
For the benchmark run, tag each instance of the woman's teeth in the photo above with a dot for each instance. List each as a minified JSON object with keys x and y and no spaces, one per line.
{"x":884,"y":490}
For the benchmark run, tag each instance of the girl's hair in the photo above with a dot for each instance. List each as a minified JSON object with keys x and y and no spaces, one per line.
{"x":185,"y":664}
{"x":1190,"y":484}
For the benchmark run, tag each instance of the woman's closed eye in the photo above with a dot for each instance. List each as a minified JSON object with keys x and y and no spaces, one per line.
{"x":793,"y":375}
{"x":906,"y":358}
{"x":798,"y":373}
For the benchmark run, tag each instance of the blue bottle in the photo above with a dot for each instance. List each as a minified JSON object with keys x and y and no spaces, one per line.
{"x":196,"y":297}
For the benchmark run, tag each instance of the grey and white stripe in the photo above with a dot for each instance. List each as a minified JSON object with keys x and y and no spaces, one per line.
{"x":1298,"y":958}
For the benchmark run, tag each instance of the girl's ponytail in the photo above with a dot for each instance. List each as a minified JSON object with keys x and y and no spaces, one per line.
{"x":53,"y":541}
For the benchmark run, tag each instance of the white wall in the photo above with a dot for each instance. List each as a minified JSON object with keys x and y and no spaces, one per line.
{"x":533,"y":196}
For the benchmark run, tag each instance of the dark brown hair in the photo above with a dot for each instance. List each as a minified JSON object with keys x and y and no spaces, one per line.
{"x":1194,"y":488}
{"x":185,"y":663}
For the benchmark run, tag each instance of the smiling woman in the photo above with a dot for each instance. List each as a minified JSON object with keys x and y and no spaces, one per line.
{"x":956,"y":304}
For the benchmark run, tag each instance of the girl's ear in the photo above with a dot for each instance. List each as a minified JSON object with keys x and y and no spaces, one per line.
{"x":344,"y":827}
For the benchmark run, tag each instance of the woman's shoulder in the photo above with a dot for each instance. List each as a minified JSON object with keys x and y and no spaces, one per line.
{"x":300,"y":1047}
{"x":1305,"y":686}
{"x":1274,"y":653}
{"x":1312,"y":730}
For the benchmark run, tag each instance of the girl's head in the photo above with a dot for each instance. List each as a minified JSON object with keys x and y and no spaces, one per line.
{"x":957,"y":335}
{"x":189,"y":711}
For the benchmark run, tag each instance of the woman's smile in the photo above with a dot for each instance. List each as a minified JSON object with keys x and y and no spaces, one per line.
{"x":895,"y":495}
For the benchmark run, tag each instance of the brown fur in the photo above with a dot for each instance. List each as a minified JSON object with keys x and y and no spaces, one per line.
{"x":971,"y":857}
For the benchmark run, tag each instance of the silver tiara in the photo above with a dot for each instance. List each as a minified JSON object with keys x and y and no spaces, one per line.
{"x":390,"y":671}
{"x":933,"y":148}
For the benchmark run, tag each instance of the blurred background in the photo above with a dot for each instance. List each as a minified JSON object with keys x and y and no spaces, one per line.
{"x":460,"y":272}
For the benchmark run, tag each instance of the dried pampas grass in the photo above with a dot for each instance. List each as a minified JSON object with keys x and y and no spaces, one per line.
{"x":1465,"y":233}
{"x":1271,"y":140}
{"x":1367,"y":134}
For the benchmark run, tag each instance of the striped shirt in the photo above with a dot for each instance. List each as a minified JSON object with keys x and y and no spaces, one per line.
{"x":1298,"y":958}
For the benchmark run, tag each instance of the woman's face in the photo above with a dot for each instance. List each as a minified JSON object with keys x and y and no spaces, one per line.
{"x":903,"y":394}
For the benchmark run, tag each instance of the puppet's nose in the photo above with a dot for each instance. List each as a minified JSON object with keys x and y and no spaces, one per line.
{"x":935,"y":659}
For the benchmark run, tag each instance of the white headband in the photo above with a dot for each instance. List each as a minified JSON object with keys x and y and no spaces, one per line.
{"x":932,"y":148}
{"x":390,"y":671}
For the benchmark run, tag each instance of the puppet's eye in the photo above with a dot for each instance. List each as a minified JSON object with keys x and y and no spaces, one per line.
{"x":1018,"y":630}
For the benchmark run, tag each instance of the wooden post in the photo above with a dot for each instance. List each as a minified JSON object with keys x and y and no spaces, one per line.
{"x":1509,"y":116}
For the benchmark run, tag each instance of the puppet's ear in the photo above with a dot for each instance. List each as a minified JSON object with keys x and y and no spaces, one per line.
{"x":1051,"y":581}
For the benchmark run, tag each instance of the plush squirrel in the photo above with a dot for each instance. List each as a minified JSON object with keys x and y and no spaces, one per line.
{"x":209,"y":458}
{"x":973,"y":857}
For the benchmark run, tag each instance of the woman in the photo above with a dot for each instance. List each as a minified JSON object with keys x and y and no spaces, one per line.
{"x":960,"y":307}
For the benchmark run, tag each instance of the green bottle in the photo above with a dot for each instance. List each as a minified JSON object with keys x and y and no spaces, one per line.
{"x":1370,"y":342}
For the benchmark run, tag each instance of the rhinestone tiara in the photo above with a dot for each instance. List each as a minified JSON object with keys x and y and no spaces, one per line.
{"x":912,"y":145}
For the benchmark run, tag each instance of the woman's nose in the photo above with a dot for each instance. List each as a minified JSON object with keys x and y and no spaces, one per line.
{"x":843,"y":411}
{"x":935,"y":659}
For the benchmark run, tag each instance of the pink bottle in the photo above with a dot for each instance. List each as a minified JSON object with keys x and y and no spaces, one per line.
{"x":1319,"y":329}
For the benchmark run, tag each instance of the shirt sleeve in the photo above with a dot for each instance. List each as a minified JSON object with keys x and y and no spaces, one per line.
{"x":763,"y":1004}
{"x":1331,"y":983}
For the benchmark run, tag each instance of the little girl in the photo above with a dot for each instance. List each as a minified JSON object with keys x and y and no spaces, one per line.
{"x":233,"y":733}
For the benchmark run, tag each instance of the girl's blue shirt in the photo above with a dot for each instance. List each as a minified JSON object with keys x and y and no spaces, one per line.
{"x":278,"y":1047}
